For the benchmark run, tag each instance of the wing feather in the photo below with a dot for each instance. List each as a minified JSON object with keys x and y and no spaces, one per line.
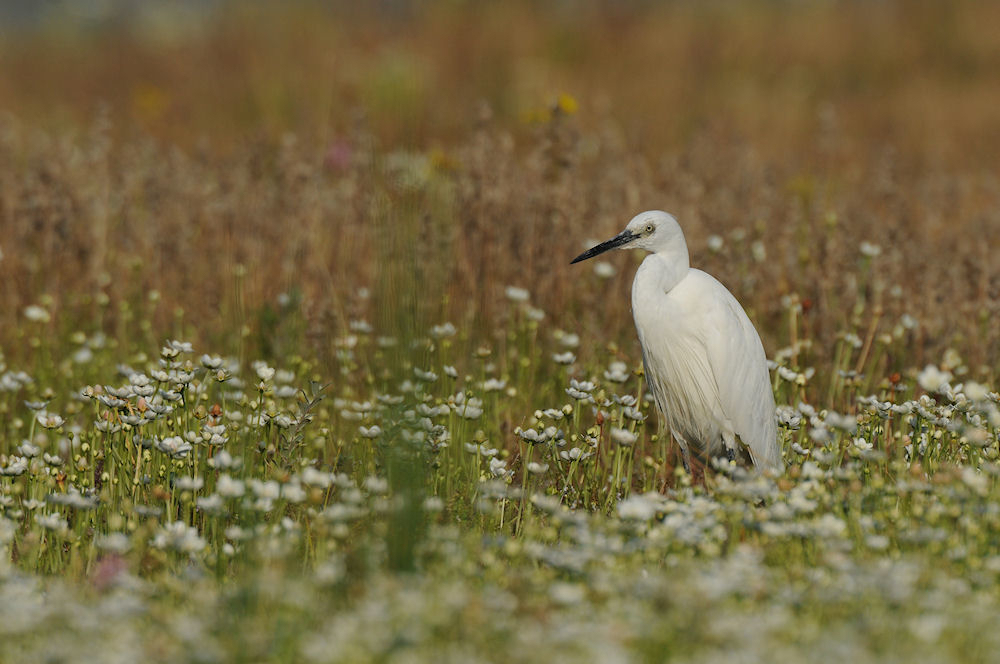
{"x":739,"y":365}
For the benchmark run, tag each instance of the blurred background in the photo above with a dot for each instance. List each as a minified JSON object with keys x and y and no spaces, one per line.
{"x":253,"y":174}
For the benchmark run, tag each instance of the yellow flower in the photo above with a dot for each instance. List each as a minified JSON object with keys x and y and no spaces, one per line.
{"x":566,"y":103}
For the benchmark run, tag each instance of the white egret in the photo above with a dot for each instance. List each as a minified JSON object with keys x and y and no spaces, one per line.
{"x":704,"y":361}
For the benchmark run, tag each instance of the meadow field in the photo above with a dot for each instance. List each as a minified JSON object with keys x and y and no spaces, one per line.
{"x":294,"y":367}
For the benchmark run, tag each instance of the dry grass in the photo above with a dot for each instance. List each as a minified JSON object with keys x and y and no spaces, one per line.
{"x":327,"y":150}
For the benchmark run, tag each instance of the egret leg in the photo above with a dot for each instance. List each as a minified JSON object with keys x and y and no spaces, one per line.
{"x":693,"y":463}
{"x":697,"y":471}
{"x":685,"y":455}
{"x":729,"y":444}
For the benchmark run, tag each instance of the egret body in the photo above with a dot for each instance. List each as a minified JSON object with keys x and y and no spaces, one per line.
{"x":704,"y":361}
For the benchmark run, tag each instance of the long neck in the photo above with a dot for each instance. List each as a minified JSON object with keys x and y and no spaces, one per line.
{"x":673,"y":263}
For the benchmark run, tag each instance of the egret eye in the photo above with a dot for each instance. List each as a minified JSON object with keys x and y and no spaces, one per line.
{"x":649,"y":228}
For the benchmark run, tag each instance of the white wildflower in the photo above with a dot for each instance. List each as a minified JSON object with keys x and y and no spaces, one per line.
{"x":870,"y":250}
{"x":604,"y":269}
{"x":623,"y":437}
{"x":975,"y":391}
{"x":978,"y":437}
{"x":848,"y":423}
{"x":634,"y":414}
{"x":570,"y":340}
{"x":26,"y":449}
{"x":113,"y":542}
{"x":180,"y":346}
{"x":515,"y":294}
{"x":933,"y":379}
{"x":49,"y":420}
{"x":54,"y":522}
{"x":617,"y":372}
{"x":138,"y":379}
{"x":37,"y":314}
{"x":469,"y":411}
{"x":223,"y":460}
{"x":976,"y":481}
{"x":531,"y":435}
{"x":293,"y":492}
{"x":801,"y":504}
{"x":189,"y":483}
{"x":269,"y":489}
{"x":228,"y":487}
{"x":426,"y":376}
{"x":493,"y":385}
{"x":564,"y":358}
{"x":637,"y":508}
{"x":74,"y":499}
{"x":315,"y":478}
{"x":213,"y":362}
{"x":175,"y":446}
{"x":497,"y":467}
{"x":16,"y":465}
{"x":433,"y":504}
{"x":481,"y":449}
{"x":211,"y":504}
{"x":829,"y":525}
{"x":853,"y":339}
{"x":573,"y":454}
{"x":179,"y":537}
{"x":443,"y":330}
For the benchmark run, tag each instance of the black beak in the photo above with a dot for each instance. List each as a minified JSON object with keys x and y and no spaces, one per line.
{"x":619,"y":240}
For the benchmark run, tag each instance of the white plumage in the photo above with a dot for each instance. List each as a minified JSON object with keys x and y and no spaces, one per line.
{"x":704,"y":361}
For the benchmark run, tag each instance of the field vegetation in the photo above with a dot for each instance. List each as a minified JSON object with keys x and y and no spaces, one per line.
{"x":294,"y":367}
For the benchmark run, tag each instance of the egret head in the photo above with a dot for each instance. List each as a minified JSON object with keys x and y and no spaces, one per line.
{"x":655,"y":231}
